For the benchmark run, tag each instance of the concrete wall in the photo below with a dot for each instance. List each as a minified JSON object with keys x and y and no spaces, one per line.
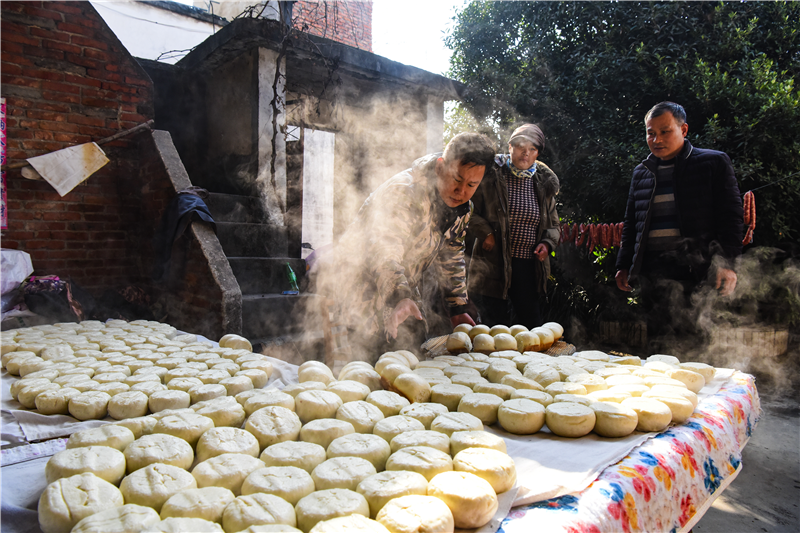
{"x":151,"y":32}
{"x":230,"y":99}
{"x":375,"y":140}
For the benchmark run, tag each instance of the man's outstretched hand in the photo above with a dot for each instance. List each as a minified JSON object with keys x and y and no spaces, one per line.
{"x":404,"y":309}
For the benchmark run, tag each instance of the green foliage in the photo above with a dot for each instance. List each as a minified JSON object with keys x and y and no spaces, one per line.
{"x":587,"y":72}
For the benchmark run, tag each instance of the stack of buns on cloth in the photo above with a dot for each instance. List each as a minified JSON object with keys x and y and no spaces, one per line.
{"x":196,"y":442}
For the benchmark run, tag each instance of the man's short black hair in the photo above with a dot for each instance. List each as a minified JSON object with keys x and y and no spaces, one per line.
{"x":660,"y":108}
{"x":470,"y":149}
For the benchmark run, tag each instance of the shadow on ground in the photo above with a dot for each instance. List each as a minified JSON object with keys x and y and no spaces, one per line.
{"x":766,"y":494}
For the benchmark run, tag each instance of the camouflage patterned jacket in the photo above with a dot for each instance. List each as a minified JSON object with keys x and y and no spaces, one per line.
{"x":401,"y":230}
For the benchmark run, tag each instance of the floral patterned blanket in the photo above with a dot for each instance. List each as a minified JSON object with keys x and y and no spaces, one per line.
{"x":668,"y":482}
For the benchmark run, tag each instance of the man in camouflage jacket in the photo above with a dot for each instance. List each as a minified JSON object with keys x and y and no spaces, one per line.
{"x":414,"y":220}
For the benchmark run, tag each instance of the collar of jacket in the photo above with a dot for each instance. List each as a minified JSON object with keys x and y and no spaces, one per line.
{"x":504,"y":160}
{"x":651,"y":163}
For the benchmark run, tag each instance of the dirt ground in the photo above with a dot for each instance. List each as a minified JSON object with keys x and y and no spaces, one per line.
{"x":766,"y":494}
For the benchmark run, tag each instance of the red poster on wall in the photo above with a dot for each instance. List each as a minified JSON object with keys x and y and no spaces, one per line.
{"x":3,"y":212}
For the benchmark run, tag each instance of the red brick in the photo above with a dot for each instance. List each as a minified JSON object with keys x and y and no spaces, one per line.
{"x":22,"y":82}
{"x":45,"y":33}
{"x":66,"y":254}
{"x":47,"y":194}
{"x":12,"y":48}
{"x":82,"y":20}
{"x":89,"y":42}
{"x":42,"y":74}
{"x":70,"y":138}
{"x":100,"y":218}
{"x":117,"y":88}
{"x":99,"y":102}
{"x":130,"y":98}
{"x":10,"y":69}
{"x":44,"y":244}
{"x":86,"y":121}
{"x":112,"y":67}
{"x":69,"y":235}
{"x":82,"y":80}
{"x":75,"y":28}
{"x":98,"y":93}
{"x":15,"y":101}
{"x":9,"y":27}
{"x":46,"y":115}
{"x":11,"y":59}
{"x":45,"y":13}
{"x":104,"y":75}
{"x":75,"y":8}
{"x":12,"y":245}
{"x":21,"y":39}
{"x":47,"y":53}
{"x":84,"y":208}
{"x":97,"y":54}
{"x":64,"y":47}
{"x":61,"y":87}
{"x":82,"y":61}
{"x":128,"y":107}
{"x":44,"y":135}
{"x":26,"y":123}
{"x":17,"y":155}
{"x":61,"y":216}
{"x":61,"y":97}
{"x":61,"y":127}
{"x":136,"y":81}
{"x":58,"y":108}
{"x":95,"y":132}
{"x":134,"y":117}
{"x":44,"y":206}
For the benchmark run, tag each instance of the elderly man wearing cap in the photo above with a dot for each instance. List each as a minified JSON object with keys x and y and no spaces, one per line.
{"x":516,"y":225}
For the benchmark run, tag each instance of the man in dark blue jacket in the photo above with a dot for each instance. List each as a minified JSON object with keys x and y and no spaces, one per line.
{"x":684,"y":219}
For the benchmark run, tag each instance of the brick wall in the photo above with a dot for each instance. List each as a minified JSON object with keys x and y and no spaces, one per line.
{"x":349,"y":22}
{"x":67,"y":81}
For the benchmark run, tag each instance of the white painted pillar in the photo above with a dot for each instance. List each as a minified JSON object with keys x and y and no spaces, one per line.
{"x":318,"y":160}
{"x":272,"y":185}
{"x":435,"y":125}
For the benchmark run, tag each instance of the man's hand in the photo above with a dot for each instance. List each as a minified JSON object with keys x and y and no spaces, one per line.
{"x":541,"y":251}
{"x":463,"y":318}
{"x":726,"y":281}
{"x":622,"y":280}
{"x":488,"y":243}
{"x":404,"y":309}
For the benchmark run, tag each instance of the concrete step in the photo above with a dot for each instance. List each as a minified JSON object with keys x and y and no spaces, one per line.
{"x":262,"y":275}
{"x":241,"y":239}
{"x":235,"y":208}
{"x":276,"y":315}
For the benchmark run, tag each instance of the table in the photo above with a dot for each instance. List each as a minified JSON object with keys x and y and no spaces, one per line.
{"x":666,"y":483}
